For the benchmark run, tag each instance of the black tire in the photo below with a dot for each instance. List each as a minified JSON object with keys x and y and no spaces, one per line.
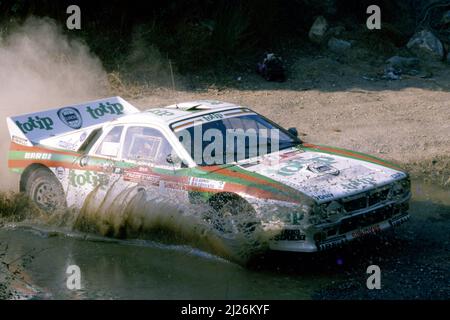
{"x":45,"y":190}
{"x":232,"y":216}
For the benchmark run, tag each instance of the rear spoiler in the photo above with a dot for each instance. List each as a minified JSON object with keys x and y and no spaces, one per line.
{"x":67,"y":123}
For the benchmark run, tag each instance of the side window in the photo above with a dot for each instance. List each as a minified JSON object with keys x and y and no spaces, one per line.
{"x":146,"y":145}
{"x":110,"y":145}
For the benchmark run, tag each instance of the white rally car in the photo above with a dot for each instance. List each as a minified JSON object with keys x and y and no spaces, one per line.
{"x":311,"y":197}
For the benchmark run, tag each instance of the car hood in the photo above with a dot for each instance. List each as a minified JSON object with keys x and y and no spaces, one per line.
{"x":324,"y":173}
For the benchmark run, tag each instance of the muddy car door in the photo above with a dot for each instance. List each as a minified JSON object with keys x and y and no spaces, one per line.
{"x":97,"y":167}
{"x":150,"y":161}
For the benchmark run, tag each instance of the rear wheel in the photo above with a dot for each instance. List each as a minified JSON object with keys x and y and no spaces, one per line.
{"x":44,"y":189}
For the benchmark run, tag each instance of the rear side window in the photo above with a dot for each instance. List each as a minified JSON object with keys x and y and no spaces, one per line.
{"x":110,"y":145}
{"x":91,"y":140}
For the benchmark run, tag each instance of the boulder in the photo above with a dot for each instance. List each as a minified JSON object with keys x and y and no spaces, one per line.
{"x":426,"y":45}
{"x":318,"y":30}
{"x":338,"y":45}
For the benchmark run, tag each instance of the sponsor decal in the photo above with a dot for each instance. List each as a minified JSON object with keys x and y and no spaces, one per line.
{"x":60,"y":171}
{"x":213,"y":116}
{"x":37,"y":156}
{"x":19,"y":140}
{"x":71,"y":117}
{"x":367,"y":231}
{"x":83,"y":136}
{"x":172,"y":185}
{"x":161,"y":113}
{"x":66,"y":145}
{"x":398,"y":175}
{"x":249,"y":165}
{"x":206,"y":183}
{"x":323,"y":168}
{"x":38,"y":123}
{"x":104,"y":109}
{"x":294,"y":166}
{"x":89,"y":178}
{"x":359,"y":183}
{"x":141,"y":175}
{"x":290,"y":155}
{"x":324,"y":196}
{"x":333,"y":242}
{"x":290,"y":235}
{"x":399,"y":220}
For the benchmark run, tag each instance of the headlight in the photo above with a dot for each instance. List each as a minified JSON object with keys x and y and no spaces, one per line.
{"x":400,"y":188}
{"x":328,"y":211}
{"x":291,"y":218}
{"x":292,"y":215}
{"x":334,"y":208}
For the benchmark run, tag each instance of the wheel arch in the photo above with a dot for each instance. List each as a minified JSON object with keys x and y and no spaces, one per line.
{"x":28,"y":171}
{"x":218,"y":199}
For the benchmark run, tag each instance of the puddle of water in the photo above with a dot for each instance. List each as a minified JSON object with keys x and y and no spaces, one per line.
{"x":142,"y":271}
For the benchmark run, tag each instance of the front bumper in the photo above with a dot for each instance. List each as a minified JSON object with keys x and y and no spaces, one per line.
{"x":347,"y":229}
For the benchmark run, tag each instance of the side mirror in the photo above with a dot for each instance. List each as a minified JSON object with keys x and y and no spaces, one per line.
{"x":293,"y":131}
{"x":84,"y":160}
{"x":173,"y":159}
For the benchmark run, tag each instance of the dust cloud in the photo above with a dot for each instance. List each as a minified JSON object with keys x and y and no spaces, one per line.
{"x":42,"y":68}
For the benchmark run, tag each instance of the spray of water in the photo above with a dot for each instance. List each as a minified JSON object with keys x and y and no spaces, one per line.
{"x":133,"y":212}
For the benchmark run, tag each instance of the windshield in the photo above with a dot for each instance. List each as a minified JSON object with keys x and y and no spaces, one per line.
{"x":233,"y":139}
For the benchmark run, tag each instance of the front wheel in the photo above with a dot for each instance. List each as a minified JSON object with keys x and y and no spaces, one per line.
{"x":45,"y":190}
{"x":232,"y":217}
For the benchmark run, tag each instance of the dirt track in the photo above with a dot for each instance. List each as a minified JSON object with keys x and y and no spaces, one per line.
{"x":405,"y":121}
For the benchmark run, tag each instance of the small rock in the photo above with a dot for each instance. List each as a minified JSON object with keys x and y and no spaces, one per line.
{"x":403,"y":62}
{"x":391,"y":73}
{"x":338,"y":45}
{"x":426,"y":45}
{"x":318,"y":30}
